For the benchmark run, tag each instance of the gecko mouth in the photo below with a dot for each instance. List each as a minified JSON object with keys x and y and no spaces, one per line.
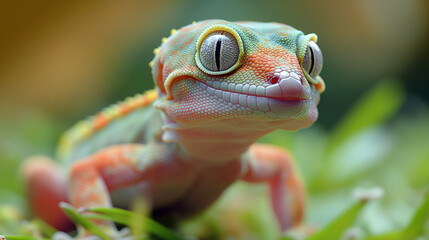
{"x":288,"y":96}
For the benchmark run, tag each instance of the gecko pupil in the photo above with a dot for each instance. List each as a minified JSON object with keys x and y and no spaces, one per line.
{"x":217,"y":52}
{"x":312,"y":60}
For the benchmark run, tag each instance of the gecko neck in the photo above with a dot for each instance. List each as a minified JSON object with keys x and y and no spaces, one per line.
{"x":211,"y":145}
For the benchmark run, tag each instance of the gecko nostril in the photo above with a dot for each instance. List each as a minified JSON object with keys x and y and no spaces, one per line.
{"x":274,"y":80}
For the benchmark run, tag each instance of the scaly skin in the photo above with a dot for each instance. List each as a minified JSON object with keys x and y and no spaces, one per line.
{"x":181,"y":146}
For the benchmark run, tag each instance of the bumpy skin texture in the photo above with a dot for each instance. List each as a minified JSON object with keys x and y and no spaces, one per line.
{"x":181,"y":146}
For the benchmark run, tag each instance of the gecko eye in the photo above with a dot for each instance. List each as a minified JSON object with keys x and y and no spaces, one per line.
{"x":313,"y":59}
{"x":219,"y":51}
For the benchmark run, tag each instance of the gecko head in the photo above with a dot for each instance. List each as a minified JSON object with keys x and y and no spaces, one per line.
{"x":239,"y":75}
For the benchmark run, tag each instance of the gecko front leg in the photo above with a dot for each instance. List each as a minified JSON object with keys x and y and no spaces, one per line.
{"x":93,"y":179}
{"x":89,"y":184}
{"x":274,"y":165}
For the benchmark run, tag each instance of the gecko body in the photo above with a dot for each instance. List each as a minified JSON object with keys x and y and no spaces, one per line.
{"x":220,"y":86}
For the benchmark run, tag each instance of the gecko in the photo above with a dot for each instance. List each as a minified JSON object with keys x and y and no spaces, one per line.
{"x":219,"y":87}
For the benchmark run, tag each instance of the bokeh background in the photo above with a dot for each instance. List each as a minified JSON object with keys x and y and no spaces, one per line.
{"x":61,"y":61}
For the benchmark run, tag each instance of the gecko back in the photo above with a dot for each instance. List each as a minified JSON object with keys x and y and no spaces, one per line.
{"x":131,"y":121}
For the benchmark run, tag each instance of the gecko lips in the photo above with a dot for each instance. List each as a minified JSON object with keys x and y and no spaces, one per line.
{"x":286,"y":97}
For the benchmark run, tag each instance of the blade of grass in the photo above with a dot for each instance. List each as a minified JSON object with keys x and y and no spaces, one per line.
{"x":141,"y":209}
{"x":389,"y":236}
{"x":286,"y":238}
{"x":44,"y":228}
{"x":117,"y":220}
{"x":373,"y":108}
{"x":125,"y":217}
{"x":84,"y":222}
{"x":14,"y":237}
{"x":414,"y":229}
{"x":337,"y":228}
{"x":376,"y":106}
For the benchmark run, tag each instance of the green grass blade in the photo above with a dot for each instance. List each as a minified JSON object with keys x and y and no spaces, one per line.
{"x":126,"y":217}
{"x":117,"y":220}
{"x":415,"y":228}
{"x":376,"y":106}
{"x":141,"y":209}
{"x":389,"y":236}
{"x":286,"y":238}
{"x":337,"y":228}
{"x":14,"y":237}
{"x":373,"y":108}
{"x":84,"y":222}
{"x":44,"y":228}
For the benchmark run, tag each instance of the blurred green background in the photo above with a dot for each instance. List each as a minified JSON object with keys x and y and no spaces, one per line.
{"x":62,"y":61}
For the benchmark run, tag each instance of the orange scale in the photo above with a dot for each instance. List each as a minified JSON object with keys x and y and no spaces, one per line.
{"x":100,"y":121}
{"x":124,"y":109}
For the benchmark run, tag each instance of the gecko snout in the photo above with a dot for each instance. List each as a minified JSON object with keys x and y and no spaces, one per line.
{"x":287,"y":85}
